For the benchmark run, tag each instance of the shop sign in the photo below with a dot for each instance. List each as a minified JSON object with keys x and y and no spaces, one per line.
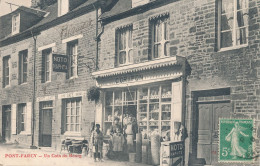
{"x":176,"y":149}
{"x":59,"y":63}
{"x":73,"y":29}
{"x":128,"y":78}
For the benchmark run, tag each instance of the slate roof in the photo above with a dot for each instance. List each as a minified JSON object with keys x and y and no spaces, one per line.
{"x":50,"y":12}
{"x":121,"y":6}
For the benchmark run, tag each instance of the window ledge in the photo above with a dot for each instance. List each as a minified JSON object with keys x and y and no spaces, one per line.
{"x":46,"y":82}
{"x":73,"y":77}
{"x":24,"y":133}
{"x":23,"y":83}
{"x":7,"y":86}
{"x":69,"y":133}
{"x":233,"y":48}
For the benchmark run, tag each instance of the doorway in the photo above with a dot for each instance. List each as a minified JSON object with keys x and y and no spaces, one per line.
{"x":209,"y":114}
{"x":46,"y":124}
{"x":6,"y":123}
{"x":210,"y":107}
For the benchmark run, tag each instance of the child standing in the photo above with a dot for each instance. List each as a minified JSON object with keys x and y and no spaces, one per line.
{"x":97,"y":142}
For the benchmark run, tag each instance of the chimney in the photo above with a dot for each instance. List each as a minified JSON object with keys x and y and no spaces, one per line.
{"x":35,"y":3}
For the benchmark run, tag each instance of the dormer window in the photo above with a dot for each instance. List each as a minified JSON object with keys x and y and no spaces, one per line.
{"x":16,"y":24}
{"x":136,"y":3}
{"x":63,"y":7}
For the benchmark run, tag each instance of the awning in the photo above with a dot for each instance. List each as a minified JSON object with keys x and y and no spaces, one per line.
{"x":148,"y":65}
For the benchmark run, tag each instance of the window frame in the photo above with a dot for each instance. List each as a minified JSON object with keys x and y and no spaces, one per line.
{"x":72,"y":46}
{"x":164,"y":38}
{"x":63,"y":7}
{"x":22,"y":63}
{"x":47,"y":53}
{"x":234,"y":29}
{"x":5,"y":67}
{"x":15,"y":24}
{"x":22,"y":113}
{"x":128,"y":31}
{"x":77,"y":102}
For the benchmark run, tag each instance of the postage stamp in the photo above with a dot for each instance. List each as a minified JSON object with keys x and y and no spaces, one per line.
{"x":236,"y":140}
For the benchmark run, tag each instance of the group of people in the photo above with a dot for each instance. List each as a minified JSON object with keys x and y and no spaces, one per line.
{"x":117,"y":135}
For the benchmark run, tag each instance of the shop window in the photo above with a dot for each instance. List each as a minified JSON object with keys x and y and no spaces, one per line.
{"x":23,"y":66}
{"x":22,"y":117}
{"x":6,"y":71}
{"x":119,"y":104}
{"x":72,"y":108}
{"x":72,"y":52}
{"x":124,"y":46}
{"x":15,"y":24}
{"x":160,"y":37}
{"x":233,"y":23}
{"x":151,"y":108}
{"x":46,"y":65}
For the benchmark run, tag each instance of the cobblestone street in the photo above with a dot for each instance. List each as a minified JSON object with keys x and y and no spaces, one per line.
{"x":14,"y":155}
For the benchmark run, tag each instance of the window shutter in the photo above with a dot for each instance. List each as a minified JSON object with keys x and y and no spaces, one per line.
{"x":28,"y":118}
{"x":177,"y":101}
{"x":13,"y":119}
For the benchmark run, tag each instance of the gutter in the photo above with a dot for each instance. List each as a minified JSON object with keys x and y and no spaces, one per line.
{"x":34,"y":89}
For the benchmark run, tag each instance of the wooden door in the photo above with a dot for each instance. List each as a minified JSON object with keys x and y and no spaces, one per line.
{"x":7,"y":123}
{"x":46,"y":128}
{"x":209,"y":114}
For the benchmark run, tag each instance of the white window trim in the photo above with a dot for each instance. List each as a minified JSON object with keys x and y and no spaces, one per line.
{"x":50,"y":65}
{"x":63,"y":7}
{"x":24,"y":107}
{"x":75,"y":43}
{"x":234,"y":38}
{"x":69,"y":39}
{"x":17,"y":30}
{"x":163,"y":41}
{"x":77,"y":133}
{"x":127,"y":49}
{"x":46,"y":46}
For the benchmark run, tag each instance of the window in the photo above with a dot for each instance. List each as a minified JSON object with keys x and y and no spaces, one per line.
{"x":160,"y":38}
{"x":233,"y":23}
{"x":125,"y":46}
{"x":23,"y":62}
{"x":16,"y":24}
{"x":21,"y":117}
{"x":6,"y":71}
{"x":63,"y":7}
{"x":46,"y":64}
{"x":73,"y":58}
{"x":72,"y":114}
{"x":151,"y":106}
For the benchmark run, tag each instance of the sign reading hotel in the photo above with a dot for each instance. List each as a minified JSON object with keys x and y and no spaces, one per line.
{"x":59,"y":63}
{"x":176,"y":149}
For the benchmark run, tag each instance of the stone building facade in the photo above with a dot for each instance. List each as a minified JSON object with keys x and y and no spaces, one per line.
{"x":218,"y":76}
{"x":51,"y":104}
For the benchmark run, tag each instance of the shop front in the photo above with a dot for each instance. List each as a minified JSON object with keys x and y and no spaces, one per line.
{"x":150,"y":93}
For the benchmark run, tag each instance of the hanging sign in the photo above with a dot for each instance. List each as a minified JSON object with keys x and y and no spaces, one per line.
{"x":59,"y":63}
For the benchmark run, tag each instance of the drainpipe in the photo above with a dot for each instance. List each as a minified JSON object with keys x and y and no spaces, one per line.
{"x":34,"y":89}
{"x":97,"y":39}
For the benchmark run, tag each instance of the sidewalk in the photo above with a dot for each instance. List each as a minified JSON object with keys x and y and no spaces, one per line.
{"x":14,"y":155}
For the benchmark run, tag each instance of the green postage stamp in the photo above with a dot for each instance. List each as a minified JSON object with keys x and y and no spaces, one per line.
{"x":236,"y":140}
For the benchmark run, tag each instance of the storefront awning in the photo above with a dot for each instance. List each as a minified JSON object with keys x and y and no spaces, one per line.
{"x":169,"y":61}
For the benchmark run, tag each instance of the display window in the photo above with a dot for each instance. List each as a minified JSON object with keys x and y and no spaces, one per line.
{"x":150,"y":106}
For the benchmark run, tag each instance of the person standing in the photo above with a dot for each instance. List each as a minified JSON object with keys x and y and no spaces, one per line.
{"x":97,"y":142}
